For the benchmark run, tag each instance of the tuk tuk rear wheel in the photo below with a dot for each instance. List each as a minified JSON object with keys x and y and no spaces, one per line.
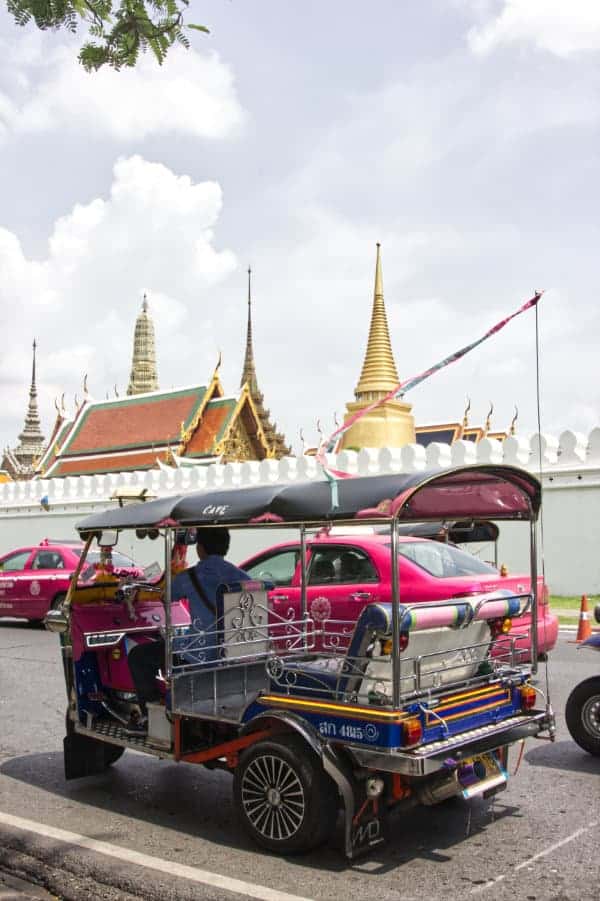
{"x":285,"y":800}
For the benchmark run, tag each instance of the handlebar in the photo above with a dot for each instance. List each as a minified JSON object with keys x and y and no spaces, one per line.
{"x":128,"y":591}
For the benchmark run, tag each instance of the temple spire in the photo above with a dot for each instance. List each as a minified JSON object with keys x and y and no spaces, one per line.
{"x":249,"y":370}
{"x":276,"y":441}
{"x":31,"y":440}
{"x":379,"y":374}
{"x":143,"y":366}
{"x":32,"y":430}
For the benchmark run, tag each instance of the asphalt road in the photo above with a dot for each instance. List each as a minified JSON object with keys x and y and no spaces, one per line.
{"x":536,"y":840}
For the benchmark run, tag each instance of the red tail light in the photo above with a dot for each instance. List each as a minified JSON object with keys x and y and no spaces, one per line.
{"x":412,"y":731}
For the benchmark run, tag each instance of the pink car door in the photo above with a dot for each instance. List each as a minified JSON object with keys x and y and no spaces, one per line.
{"x":280,"y":566}
{"x":12,"y":569}
{"x":43,"y":578}
{"x":341,"y":581}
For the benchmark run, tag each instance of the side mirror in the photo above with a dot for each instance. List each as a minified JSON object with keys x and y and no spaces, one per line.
{"x":56,"y":621}
{"x":108,"y":539}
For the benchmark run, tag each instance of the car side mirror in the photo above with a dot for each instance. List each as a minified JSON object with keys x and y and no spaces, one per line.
{"x":56,"y":621}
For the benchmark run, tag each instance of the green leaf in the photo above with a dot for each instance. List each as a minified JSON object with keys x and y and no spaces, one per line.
{"x":199,"y":28}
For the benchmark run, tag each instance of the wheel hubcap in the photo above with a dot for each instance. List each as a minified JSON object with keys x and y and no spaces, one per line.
{"x":590,"y":715}
{"x":273,"y":797}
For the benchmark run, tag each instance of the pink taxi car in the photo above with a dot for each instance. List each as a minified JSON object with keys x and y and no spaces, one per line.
{"x":346,"y":572}
{"x":35,"y":579}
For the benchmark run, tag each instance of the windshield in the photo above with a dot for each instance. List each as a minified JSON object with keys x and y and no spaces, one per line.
{"x":118,"y":559}
{"x":443,"y":560}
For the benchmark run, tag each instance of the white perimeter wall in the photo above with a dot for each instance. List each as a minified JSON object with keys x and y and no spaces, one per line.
{"x":571,"y":507}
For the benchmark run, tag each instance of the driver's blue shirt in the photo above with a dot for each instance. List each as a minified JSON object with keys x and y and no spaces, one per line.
{"x":211,"y":572}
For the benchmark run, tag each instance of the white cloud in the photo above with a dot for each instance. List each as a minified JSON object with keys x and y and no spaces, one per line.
{"x":44,"y":89}
{"x":560,"y":27}
{"x":153,"y":233}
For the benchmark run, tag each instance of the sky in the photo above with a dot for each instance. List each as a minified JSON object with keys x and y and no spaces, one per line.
{"x":461,"y":134}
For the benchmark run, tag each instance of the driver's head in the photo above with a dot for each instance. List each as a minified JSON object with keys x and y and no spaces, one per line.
{"x":212,"y":540}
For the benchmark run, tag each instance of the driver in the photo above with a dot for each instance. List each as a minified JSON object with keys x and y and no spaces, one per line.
{"x":199,"y":584}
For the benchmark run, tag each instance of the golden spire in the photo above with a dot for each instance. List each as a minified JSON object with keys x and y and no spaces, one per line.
{"x":379,"y":374}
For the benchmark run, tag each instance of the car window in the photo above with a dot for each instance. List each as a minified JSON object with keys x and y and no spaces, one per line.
{"x":15,"y":561}
{"x":119,"y":560}
{"x":444,"y":560}
{"x":340,"y":566}
{"x":278,"y":568}
{"x":48,"y":560}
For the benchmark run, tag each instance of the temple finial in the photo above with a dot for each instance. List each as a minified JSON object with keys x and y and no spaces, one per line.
{"x":488,"y":420}
{"x":379,"y":374}
{"x":465,"y":421}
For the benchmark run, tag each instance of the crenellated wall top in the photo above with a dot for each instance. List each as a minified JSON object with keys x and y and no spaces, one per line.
{"x":571,"y":455}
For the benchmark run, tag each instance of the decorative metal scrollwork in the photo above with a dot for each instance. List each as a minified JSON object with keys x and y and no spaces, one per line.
{"x":245,"y":624}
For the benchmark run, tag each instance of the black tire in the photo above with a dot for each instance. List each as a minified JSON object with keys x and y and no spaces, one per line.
{"x":582,"y":714}
{"x":57,"y":601}
{"x":284,"y":798}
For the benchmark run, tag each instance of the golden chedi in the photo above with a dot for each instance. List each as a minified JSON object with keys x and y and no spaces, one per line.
{"x":391,"y":424}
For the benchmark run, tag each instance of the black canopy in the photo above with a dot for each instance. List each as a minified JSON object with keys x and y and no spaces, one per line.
{"x":485,"y":492}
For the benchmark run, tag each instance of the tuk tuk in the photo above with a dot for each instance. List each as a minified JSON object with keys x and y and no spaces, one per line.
{"x":410,"y":704}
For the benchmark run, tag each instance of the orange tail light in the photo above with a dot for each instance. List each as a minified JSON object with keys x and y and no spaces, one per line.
{"x":528,"y":696}
{"x":412,"y":731}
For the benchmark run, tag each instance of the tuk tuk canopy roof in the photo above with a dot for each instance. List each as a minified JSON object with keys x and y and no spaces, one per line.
{"x":485,"y":492}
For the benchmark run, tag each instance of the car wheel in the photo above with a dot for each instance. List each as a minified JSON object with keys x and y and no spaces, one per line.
{"x":582,"y":714}
{"x":57,"y":601}
{"x":285,"y":800}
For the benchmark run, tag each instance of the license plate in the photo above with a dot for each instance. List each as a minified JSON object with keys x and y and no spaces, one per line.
{"x":483,"y":775}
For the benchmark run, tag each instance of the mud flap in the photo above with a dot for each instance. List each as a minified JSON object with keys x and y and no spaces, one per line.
{"x":83,"y":756}
{"x":369,"y":828}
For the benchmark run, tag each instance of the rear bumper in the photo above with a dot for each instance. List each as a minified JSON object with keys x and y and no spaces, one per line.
{"x":430,"y":758}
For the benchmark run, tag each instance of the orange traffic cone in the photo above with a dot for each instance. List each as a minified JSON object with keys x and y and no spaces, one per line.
{"x":584,"y":629}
